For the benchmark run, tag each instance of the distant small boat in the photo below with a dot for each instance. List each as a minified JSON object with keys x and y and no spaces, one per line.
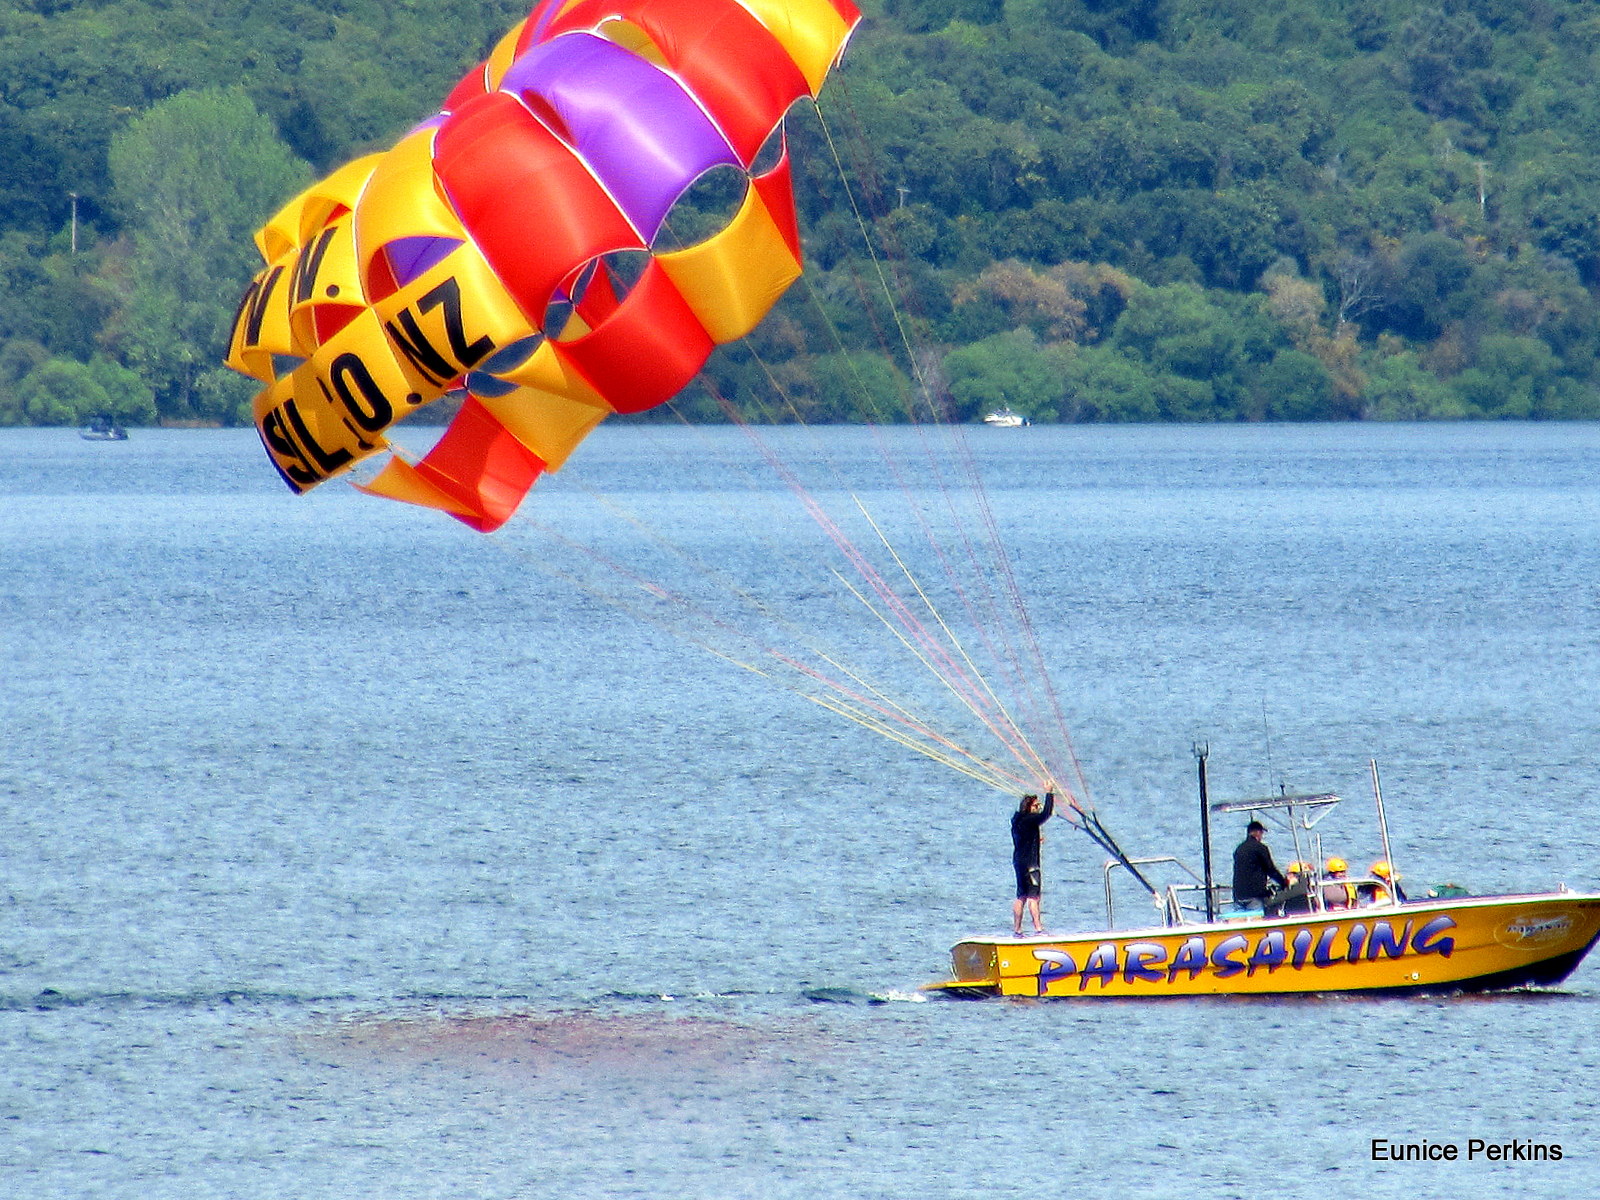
{"x":1004,"y":418}
{"x":103,"y":429}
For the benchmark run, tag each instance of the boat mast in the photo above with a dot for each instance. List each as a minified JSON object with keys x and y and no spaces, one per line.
{"x":1383,"y":823}
{"x":1201,"y":753}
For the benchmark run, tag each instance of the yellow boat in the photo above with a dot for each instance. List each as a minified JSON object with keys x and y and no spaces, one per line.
{"x":1380,"y":944}
{"x":1478,"y":943}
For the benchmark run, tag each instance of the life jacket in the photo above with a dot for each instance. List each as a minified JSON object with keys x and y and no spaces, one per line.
{"x":1337,"y":894}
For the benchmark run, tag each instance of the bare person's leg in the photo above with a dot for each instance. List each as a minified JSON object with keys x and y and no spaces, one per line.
{"x":1033,"y":911}
{"x":1016,"y":916}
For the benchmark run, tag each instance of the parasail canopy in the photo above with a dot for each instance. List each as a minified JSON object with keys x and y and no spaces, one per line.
{"x":509,"y":247}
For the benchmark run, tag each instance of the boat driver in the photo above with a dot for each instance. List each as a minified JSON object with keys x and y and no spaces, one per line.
{"x":1252,"y":867}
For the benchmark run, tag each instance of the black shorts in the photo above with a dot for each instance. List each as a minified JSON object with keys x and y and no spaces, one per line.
{"x":1027,"y":881}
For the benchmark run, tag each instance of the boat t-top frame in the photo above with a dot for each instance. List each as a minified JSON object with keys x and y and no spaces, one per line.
{"x":1298,"y":813}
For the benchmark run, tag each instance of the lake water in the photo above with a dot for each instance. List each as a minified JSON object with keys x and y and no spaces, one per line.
{"x":344,"y":852}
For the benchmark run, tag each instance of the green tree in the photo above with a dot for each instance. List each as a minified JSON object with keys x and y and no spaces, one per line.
{"x":129,"y":400}
{"x":1100,"y":383}
{"x":1103,"y":383}
{"x":927,"y":15}
{"x":1209,"y":338}
{"x":862,"y":386}
{"x":1446,"y":59}
{"x":1428,"y":285}
{"x":194,"y":177}
{"x":1563,"y":210}
{"x":1294,"y":386}
{"x":60,"y":392}
{"x":19,"y":358}
{"x":1516,"y":377}
{"x":1399,"y":388}
{"x":1009,"y":370}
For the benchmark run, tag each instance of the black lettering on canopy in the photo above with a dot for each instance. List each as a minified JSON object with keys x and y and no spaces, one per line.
{"x":308,"y":264}
{"x":448,"y":295}
{"x":406,"y":332}
{"x":365,"y":446}
{"x":327,"y":461}
{"x":372,"y":410}
{"x":285,"y":454}
{"x":253,"y":308}
{"x":414,"y":344}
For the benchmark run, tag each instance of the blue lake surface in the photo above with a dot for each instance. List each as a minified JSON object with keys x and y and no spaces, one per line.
{"x":345,"y":852}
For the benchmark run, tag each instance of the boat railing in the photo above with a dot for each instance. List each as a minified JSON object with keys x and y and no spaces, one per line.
{"x":1170,"y":903}
{"x":1177,"y":912}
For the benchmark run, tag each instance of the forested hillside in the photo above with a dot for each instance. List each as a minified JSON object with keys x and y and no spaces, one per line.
{"x":1090,"y":210}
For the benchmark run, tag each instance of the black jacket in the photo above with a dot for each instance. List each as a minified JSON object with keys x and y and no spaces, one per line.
{"x":1025,"y":833}
{"x":1252,"y":867}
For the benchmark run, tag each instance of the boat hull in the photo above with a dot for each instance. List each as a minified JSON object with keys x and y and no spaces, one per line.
{"x":1456,"y":945}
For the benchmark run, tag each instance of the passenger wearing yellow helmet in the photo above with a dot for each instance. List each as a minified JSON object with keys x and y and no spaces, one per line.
{"x":1336,"y":893}
{"x":1391,"y":882}
{"x":1295,"y":897}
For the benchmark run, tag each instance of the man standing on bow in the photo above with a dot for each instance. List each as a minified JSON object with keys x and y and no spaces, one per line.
{"x":1026,"y":835}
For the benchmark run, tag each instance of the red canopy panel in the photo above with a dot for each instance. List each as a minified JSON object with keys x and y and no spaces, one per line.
{"x":479,"y":465}
{"x":529,"y":203}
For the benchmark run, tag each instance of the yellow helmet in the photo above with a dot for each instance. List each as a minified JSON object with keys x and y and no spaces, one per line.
{"x":1335,"y":864}
{"x":1382,"y":869}
{"x":1297,"y":868}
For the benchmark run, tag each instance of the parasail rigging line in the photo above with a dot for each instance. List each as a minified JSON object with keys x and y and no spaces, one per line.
{"x":885,"y":712}
{"x":1039,"y":672}
{"x":872,"y":251}
{"x":924,"y":645}
{"x":1004,"y":732}
{"x":1011,"y":590}
{"x":1005,"y":725}
{"x":1006,"y":656}
{"x":764,"y":609}
{"x":1005,"y":728}
{"x":950,"y":672}
{"x":904,"y":716}
{"x":879,"y":716}
{"x":965,"y":458}
{"x":1006,"y":719}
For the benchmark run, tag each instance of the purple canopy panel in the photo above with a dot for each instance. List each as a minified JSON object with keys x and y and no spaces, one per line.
{"x":641,"y":133}
{"x":432,"y":122}
{"x":412,"y":257}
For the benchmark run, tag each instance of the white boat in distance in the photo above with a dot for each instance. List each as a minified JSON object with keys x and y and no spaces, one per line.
{"x":103,"y":429}
{"x":1004,"y":418}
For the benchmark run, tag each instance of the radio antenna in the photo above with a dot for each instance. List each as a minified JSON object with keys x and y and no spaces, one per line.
{"x":1266,"y":733}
